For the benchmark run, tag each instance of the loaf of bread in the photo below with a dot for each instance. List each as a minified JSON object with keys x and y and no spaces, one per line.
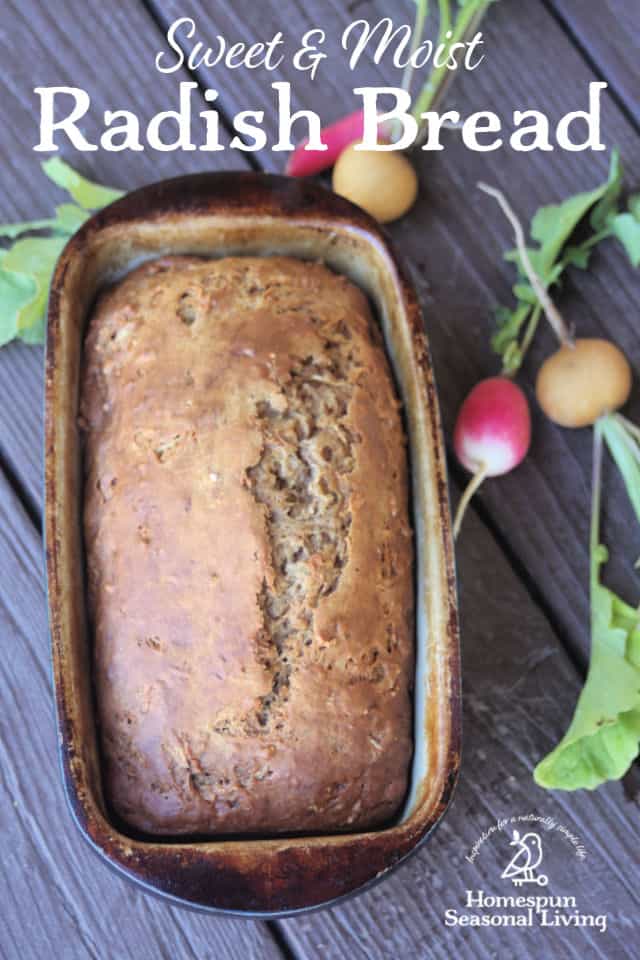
{"x":249,"y":551}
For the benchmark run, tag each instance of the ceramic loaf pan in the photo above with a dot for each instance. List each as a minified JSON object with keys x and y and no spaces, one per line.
{"x":213,"y":215}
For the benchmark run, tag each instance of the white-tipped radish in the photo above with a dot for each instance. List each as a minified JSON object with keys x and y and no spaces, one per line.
{"x":335,"y":138}
{"x":492,"y":434}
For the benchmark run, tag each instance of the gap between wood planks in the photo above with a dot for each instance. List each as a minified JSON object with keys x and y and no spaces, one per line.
{"x":601,"y":65}
{"x":225,"y":119}
{"x":67,"y":54}
{"x":32,"y":510}
{"x":599,"y":69}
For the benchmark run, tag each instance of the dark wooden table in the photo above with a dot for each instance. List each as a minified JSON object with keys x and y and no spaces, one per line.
{"x":522,"y":558}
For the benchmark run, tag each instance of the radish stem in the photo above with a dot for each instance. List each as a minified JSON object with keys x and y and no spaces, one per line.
{"x":532,"y":326}
{"x":472,"y":486}
{"x":596,"y":486}
{"x":552,"y":313}
{"x":422,"y":10}
{"x":444,"y":8}
{"x":465,"y":27}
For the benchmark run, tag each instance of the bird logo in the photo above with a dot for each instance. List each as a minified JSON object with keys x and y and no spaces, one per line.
{"x":525,"y":861}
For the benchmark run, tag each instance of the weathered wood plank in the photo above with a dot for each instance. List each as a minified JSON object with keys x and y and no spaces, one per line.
{"x":109,"y":50}
{"x":57,"y":894}
{"x":56,"y":890}
{"x":21,"y":418}
{"x":413,"y":922}
{"x":454,"y":238}
{"x":517,"y":689}
{"x":610,"y":33}
{"x":454,"y":244}
{"x":510,"y":722}
{"x":327,"y":94}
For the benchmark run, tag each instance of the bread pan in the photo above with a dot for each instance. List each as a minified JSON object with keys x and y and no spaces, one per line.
{"x":213,"y":215}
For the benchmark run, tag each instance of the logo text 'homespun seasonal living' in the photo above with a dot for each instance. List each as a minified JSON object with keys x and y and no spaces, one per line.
{"x":524,"y":870}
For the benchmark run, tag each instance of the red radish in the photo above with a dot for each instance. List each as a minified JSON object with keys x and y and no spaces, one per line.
{"x":337,"y":136}
{"x":492,"y":434}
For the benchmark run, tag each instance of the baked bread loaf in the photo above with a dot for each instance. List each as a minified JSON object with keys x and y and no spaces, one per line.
{"x":248,"y":549}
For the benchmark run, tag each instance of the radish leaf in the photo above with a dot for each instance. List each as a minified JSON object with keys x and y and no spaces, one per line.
{"x":16,"y":291}
{"x":603,"y":739}
{"x":608,"y":202}
{"x":90,"y":195}
{"x":552,"y":227}
{"x":634,"y":205}
{"x":576,"y":257}
{"x":26,"y":266}
{"x":69,"y":218}
{"x":12,"y":230}
{"x":627,"y":229}
{"x":34,"y":257}
{"x":625,"y":450}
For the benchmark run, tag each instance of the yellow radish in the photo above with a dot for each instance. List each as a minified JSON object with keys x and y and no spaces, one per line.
{"x":580,"y":382}
{"x":382,"y":183}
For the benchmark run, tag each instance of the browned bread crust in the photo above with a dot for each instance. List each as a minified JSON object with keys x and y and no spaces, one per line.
{"x":248,"y":549}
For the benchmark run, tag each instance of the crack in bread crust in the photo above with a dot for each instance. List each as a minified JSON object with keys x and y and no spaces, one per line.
{"x":302,"y":479}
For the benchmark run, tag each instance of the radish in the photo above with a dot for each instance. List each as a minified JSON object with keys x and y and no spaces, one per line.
{"x":580,"y":382}
{"x":383,"y":184}
{"x":492,"y":434}
{"x":336,"y":136}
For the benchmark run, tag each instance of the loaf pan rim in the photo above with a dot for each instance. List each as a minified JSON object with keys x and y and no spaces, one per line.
{"x":251,"y":197}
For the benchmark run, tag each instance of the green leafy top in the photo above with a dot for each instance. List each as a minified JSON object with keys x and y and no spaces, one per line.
{"x":27,"y":265}
{"x":551,"y":229}
{"x":89,"y":195}
{"x":604,"y":736}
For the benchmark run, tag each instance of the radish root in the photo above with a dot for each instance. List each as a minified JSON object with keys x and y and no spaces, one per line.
{"x":472,"y":486}
{"x":552,"y":313}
